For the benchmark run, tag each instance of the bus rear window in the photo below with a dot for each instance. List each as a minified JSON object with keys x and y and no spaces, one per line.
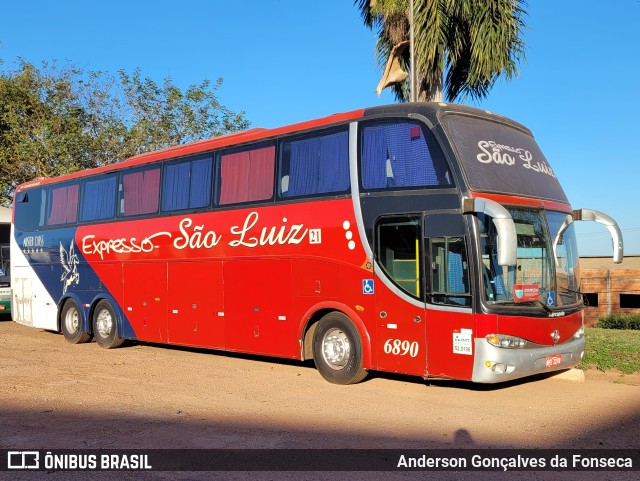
{"x":29,"y":208}
{"x":396,"y":156}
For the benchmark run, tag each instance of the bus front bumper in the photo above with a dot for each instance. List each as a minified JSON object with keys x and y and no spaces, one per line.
{"x":494,"y":364}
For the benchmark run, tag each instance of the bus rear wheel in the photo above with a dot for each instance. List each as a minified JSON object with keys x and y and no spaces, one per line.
{"x":337,"y":350}
{"x":71,"y":323}
{"x":105,"y":326}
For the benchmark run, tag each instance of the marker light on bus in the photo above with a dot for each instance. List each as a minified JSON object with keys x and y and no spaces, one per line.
{"x":508,"y":342}
{"x":500,"y":368}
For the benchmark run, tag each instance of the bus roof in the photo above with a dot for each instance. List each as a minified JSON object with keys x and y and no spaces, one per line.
{"x":431,"y":110}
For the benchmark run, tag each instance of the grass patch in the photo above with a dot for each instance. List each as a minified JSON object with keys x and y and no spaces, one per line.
{"x":612,"y":349}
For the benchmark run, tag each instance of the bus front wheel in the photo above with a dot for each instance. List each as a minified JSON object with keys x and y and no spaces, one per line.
{"x":337,"y":350}
{"x":105,"y":326}
{"x":71,"y":323}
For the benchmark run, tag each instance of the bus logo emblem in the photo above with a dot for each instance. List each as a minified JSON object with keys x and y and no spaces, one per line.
{"x":367,"y":286}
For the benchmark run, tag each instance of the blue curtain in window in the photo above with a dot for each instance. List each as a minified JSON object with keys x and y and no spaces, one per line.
{"x":200,"y":183}
{"x":187,"y":185}
{"x":374,"y":158}
{"x":456,"y":278}
{"x":396,"y":155}
{"x":456,"y":273}
{"x":333,"y":163}
{"x":176,"y":187}
{"x":411,"y":162}
{"x":319,"y":165}
{"x":99,"y":199}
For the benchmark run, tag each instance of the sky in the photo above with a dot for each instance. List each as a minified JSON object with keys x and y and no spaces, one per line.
{"x":286,"y":61}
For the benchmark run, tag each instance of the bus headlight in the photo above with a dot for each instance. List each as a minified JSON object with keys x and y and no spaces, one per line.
{"x":507,"y":342}
{"x":579,"y":333}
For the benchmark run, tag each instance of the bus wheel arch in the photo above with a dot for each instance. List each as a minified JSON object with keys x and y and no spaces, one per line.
{"x":104,"y":321}
{"x":70,"y":322}
{"x":315,"y":314}
{"x":337,"y":348}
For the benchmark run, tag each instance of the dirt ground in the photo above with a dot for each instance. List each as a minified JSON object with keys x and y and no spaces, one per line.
{"x":54,"y":395}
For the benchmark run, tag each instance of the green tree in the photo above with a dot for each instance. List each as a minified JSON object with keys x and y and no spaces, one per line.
{"x":55,"y":120}
{"x":461,"y":46}
{"x":163,"y":116}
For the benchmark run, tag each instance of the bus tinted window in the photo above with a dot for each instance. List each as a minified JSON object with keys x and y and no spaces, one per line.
{"x":98,"y":199}
{"x":399,"y":252}
{"x":63,"y":204}
{"x":317,"y":165}
{"x":29,"y":208}
{"x":397,"y":155}
{"x":449,"y":271}
{"x":187,"y":185}
{"x":139,"y":192}
{"x":497,"y":157}
{"x":247,"y":176}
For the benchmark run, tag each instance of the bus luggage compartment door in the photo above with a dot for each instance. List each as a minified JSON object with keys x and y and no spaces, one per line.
{"x":258,"y":300}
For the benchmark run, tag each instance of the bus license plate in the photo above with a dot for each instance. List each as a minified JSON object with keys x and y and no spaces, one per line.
{"x":554,"y":360}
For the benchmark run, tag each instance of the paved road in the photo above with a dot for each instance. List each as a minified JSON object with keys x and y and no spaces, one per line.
{"x":54,"y":395}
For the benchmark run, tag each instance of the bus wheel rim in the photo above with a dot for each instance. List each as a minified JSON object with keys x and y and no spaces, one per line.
{"x":336,"y":349}
{"x":104,"y":323}
{"x":71,"y":320}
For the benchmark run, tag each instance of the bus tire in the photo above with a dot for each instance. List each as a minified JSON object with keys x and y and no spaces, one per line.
{"x":337,"y":350}
{"x":71,"y":323}
{"x":105,"y":326}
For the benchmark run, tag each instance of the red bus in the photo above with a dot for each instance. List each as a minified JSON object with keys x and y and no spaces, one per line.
{"x":425,"y":239}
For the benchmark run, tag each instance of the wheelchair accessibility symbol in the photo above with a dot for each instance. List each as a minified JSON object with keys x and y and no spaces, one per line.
{"x":551,"y":299}
{"x":367,"y":286}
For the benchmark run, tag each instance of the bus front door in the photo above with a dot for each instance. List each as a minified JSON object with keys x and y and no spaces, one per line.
{"x":400,"y":311}
{"x":449,"y":319}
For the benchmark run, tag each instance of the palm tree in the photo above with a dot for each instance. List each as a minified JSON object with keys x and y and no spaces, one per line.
{"x":461,"y":45}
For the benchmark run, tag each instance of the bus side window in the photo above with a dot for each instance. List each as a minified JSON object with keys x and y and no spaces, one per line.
{"x":247,"y":175}
{"x":398,"y":252}
{"x":398,"y":156}
{"x":98,"y":198}
{"x":30,"y":208}
{"x":187,"y":184}
{"x":315,"y":165}
{"x":139,"y":192}
{"x":449,"y":271}
{"x":63,"y":204}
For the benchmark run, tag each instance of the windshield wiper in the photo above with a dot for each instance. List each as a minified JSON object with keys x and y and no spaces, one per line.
{"x":544,"y":306}
{"x":571,"y":290}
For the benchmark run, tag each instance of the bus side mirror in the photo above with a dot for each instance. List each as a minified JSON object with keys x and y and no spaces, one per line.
{"x":505,"y":227}
{"x":610,"y":224}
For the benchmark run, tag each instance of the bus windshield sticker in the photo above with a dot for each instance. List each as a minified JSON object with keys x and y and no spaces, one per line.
{"x":526,"y":292}
{"x":551,"y":299}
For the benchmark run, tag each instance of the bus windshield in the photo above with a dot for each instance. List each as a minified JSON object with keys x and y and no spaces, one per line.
{"x":546,"y":273}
